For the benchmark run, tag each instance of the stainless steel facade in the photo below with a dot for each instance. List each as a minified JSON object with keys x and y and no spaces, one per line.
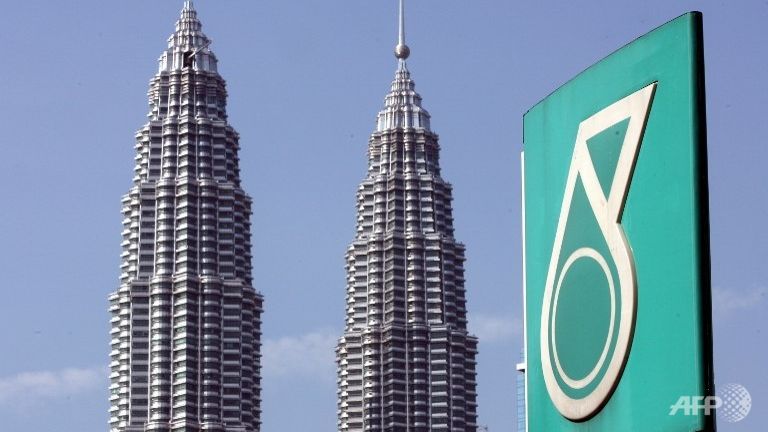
{"x":405,"y":362}
{"x":186,"y":320}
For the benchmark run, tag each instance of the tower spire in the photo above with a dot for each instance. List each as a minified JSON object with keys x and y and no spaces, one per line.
{"x":401,"y":50}
{"x":188,"y":5}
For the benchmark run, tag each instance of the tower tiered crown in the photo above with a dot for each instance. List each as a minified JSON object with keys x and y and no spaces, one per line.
{"x":402,"y":105}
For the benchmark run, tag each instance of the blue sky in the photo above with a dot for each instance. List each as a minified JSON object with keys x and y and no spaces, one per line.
{"x":306,"y":79}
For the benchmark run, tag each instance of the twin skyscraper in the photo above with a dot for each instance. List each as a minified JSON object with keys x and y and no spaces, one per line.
{"x":186,"y":320}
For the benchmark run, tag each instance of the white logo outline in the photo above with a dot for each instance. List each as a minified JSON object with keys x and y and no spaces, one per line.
{"x":607,"y":212}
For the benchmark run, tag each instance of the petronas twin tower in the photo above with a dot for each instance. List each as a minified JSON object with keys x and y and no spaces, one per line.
{"x":186,"y":320}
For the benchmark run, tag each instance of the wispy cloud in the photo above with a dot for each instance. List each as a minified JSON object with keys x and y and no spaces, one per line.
{"x":34,"y":387}
{"x":726,"y":301}
{"x":494,"y":328}
{"x":308,"y":355}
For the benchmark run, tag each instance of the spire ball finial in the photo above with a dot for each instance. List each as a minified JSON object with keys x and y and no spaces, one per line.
{"x":402,"y":51}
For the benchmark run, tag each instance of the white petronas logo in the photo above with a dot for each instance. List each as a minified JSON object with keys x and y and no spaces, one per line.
{"x":590,"y":296}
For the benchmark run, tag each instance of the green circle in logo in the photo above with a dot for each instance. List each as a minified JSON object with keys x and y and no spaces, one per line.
{"x":582,"y":319}
{"x":585,"y":269}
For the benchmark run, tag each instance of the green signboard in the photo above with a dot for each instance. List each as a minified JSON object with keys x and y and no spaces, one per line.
{"x":618,"y":309}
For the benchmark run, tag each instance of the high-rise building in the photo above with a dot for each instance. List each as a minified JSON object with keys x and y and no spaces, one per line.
{"x":186,"y":320}
{"x":405,"y":362}
{"x":522,"y":421}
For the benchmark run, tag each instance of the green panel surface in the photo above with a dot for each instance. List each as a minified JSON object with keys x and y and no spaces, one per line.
{"x":581,"y":292}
